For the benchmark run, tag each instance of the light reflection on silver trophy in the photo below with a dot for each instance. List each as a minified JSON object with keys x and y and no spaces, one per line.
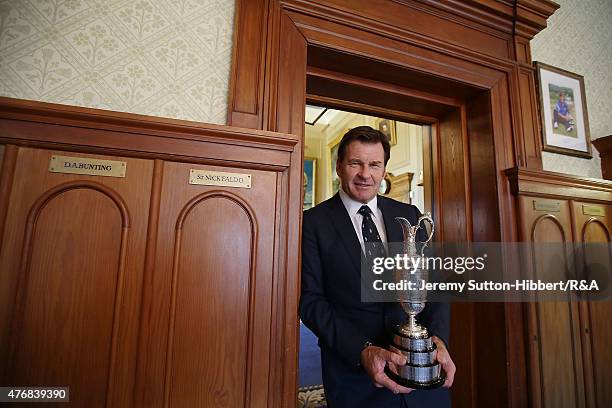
{"x":422,"y":371}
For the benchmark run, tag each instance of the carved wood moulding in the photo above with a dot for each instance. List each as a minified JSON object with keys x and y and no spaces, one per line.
{"x":548,"y":183}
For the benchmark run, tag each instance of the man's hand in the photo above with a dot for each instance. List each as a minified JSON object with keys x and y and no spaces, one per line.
{"x":374,"y":359}
{"x":445,"y":360}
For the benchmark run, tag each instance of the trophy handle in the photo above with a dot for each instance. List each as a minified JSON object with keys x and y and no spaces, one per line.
{"x":427,"y":217}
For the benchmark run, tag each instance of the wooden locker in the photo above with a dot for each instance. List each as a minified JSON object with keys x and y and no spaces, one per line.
{"x":147,"y":290}
{"x":592,"y":223}
{"x":70,"y":278}
{"x":555,"y":366}
{"x":210,"y":309}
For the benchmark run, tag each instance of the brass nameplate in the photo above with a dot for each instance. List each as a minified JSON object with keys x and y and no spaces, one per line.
{"x":550,"y":206}
{"x":593,"y":210}
{"x":91,"y":167}
{"x":219,"y":178}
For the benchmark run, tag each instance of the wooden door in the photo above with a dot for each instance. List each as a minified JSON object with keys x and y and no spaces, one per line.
{"x":592,"y":223}
{"x":70,"y":278}
{"x":209,"y":304}
{"x":555,"y":363}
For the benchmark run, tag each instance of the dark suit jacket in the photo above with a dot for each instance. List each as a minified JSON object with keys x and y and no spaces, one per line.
{"x":330,"y":305}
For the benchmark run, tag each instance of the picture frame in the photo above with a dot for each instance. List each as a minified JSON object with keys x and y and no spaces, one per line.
{"x":389,"y":128}
{"x":563,"y":111}
{"x":310,"y":180}
{"x":332,"y":157}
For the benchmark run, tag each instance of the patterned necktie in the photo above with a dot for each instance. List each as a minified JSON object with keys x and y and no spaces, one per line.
{"x":370,"y":234}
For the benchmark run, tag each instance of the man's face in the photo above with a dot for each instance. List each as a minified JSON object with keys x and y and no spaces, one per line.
{"x":562,"y":98}
{"x":362,"y":170}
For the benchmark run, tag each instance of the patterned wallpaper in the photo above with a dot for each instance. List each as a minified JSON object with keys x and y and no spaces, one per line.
{"x":167,"y":58}
{"x":579,"y":39}
{"x":171,"y":58}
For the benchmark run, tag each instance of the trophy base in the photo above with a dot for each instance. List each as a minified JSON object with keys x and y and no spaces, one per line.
{"x":435,"y":383}
{"x":422,"y":371}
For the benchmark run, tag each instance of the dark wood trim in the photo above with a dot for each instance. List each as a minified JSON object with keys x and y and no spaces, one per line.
{"x":357,"y":107}
{"x":247,"y":111}
{"x":604,"y":147}
{"x":49,"y":113}
{"x":527,"y":123}
{"x":278,"y":311}
{"x":31,"y":123}
{"x":558,"y":185}
{"x":435,"y":170}
{"x":290,"y":88}
{"x":531,"y":15}
{"x":467,"y":184}
{"x":498,"y":15}
{"x":429,"y":187}
{"x":6,"y":183}
{"x":584,"y":313}
{"x":140,"y":394}
{"x":452,"y":178}
{"x":383,"y":86}
{"x":389,"y":18}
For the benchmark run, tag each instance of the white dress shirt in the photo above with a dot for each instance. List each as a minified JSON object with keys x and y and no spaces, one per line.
{"x":352,"y":207}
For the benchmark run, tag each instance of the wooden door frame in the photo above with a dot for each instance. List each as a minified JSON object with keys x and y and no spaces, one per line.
{"x":483,"y":44}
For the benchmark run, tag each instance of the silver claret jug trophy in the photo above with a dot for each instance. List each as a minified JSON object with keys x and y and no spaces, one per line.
{"x":422,"y":371}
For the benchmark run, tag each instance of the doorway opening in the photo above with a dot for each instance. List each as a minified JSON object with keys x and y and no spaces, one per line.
{"x":459,"y":170}
{"x":404,"y":181}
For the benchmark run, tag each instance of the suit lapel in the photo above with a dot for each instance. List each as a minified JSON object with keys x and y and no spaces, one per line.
{"x":344,"y":226}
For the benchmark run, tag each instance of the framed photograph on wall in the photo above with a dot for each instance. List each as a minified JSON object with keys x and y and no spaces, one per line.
{"x":310,"y":174}
{"x":332,"y":158}
{"x":563,"y":111}
{"x":388,"y":127}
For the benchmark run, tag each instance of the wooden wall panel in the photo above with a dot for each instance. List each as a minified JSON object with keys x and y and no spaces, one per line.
{"x":288,"y":89}
{"x":489,"y":378}
{"x":74,"y":261}
{"x":483,"y":182}
{"x":452,"y":177}
{"x":71,"y":278}
{"x":591,"y":227}
{"x":599,"y":333}
{"x":596,"y":316}
{"x":213,"y":292}
{"x":216,"y":238}
{"x":576,"y":209}
{"x":7,"y":169}
{"x":554,"y":327}
{"x":183,"y":290}
{"x":527,"y":116}
{"x":560,"y":355}
{"x":246,"y":110}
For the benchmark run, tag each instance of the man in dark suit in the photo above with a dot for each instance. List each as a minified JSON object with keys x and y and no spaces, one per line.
{"x":354,"y":335}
